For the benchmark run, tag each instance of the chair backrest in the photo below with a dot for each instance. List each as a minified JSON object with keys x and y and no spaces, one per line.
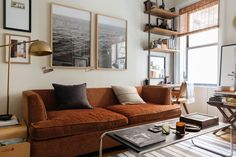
{"x":182,"y":91}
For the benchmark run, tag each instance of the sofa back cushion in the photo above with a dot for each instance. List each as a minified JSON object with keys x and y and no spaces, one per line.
{"x":48,"y":97}
{"x":97,"y":97}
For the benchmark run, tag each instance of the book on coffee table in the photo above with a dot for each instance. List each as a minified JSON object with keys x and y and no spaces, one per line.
{"x":200,"y":119}
{"x":140,"y":139}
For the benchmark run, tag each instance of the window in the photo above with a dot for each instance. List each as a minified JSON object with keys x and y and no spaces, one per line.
{"x":200,"y":16}
{"x":199,"y":43}
{"x":202,"y":57}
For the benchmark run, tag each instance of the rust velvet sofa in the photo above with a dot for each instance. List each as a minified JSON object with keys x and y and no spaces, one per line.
{"x":69,"y":133}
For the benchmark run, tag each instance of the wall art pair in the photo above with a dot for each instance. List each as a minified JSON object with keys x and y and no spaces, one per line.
{"x":17,"y":17}
{"x":71,"y":39}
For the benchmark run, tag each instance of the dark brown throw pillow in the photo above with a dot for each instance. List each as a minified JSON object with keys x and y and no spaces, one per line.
{"x":71,"y":96}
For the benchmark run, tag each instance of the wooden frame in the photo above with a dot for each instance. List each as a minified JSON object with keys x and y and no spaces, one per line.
{"x":112,"y":65}
{"x":22,"y":57}
{"x":164,"y":67}
{"x":17,"y":10}
{"x":74,"y":39}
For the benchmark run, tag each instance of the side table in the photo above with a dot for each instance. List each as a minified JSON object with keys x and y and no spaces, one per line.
{"x":14,"y":150}
{"x":231,"y":108}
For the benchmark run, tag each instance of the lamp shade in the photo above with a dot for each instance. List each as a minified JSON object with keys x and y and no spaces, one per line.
{"x":40,"y":48}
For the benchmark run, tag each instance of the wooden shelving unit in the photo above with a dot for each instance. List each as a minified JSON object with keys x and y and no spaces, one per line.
{"x":155,"y":11}
{"x":162,"y":50}
{"x":160,"y":31}
{"x":161,"y":14}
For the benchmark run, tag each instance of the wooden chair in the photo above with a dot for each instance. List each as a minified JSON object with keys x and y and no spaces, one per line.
{"x":179,"y":96}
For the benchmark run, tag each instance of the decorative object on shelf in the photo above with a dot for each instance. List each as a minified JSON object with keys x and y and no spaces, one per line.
{"x":162,"y":6}
{"x":164,"y":24}
{"x":17,"y":15}
{"x":19,"y":53}
{"x":172,"y":9}
{"x":158,"y":22}
{"x":163,"y":44}
{"x":150,"y":25}
{"x":37,"y":48}
{"x":157,"y":67}
{"x":148,"y":4}
{"x":71,"y":37}
{"x":156,"y":44}
{"x":111,"y":42}
{"x":228,"y":66}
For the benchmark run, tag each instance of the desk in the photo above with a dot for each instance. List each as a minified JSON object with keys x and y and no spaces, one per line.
{"x":171,"y":86}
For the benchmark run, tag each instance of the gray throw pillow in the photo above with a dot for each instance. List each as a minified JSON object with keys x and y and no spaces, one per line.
{"x":127,"y":95}
{"x":71,"y":96}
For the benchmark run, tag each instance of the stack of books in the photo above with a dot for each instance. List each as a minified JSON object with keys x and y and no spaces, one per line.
{"x":224,"y":97}
{"x":11,"y":122}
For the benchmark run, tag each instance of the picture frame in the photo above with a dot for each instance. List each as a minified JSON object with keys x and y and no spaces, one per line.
{"x":70,"y":37}
{"x":111,"y":43}
{"x":19,"y":53}
{"x":157,"y":67}
{"x":17,"y":15}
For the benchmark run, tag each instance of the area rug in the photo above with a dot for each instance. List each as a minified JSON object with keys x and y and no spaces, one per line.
{"x":188,"y":149}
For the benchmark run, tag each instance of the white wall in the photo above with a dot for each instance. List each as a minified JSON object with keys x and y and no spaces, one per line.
{"x":24,"y":77}
{"x":230,"y":14}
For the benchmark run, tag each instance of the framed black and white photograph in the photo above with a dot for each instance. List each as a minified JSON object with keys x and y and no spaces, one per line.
{"x":111,"y":43}
{"x":71,"y":37}
{"x":19,"y":53}
{"x":157,"y":67}
{"x":17,"y":15}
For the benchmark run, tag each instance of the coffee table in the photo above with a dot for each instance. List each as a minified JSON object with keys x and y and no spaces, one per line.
{"x":170,"y":139}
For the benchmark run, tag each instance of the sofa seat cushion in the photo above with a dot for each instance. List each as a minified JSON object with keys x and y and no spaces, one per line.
{"x":74,"y":122}
{"x":141,"y":113}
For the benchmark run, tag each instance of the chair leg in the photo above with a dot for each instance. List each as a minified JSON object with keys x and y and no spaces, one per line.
{"x":185,"y":107}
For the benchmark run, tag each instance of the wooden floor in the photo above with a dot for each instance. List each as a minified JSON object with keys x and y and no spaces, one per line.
{"x":225,"y":135}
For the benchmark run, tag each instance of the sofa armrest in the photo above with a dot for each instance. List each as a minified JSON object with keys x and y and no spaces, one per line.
{"x":33,"y":108}
{"x":156,"y":95}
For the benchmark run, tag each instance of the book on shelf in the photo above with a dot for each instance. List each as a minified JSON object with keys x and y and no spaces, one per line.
{"x":168,"y":44}
{"x":13,"y":121}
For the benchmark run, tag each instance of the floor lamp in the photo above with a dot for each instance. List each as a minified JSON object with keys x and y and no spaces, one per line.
{"x":36,"y":48}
